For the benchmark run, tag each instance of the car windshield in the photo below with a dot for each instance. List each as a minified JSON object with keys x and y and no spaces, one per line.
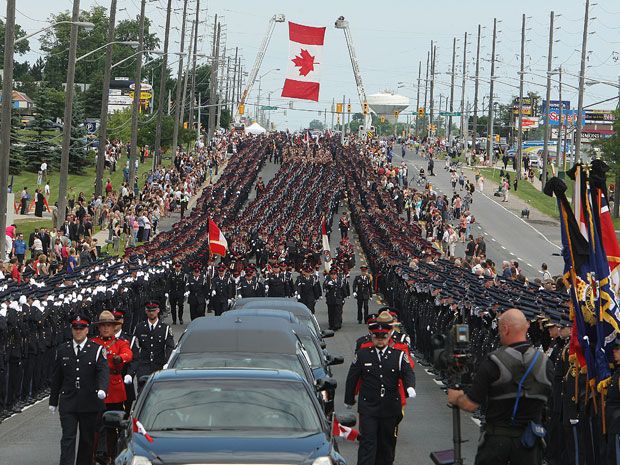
{"x":312,"y":351}
{"x":225,"y":405}
{"x":238,"y":360}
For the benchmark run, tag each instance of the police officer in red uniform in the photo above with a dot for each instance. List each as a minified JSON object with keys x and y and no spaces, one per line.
{"x":118,"y":352}
{"x":77,"y":389}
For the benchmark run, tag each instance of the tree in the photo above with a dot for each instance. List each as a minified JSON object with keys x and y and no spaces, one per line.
{"x":78,"y":150}
{"x":610,"y":151}
{"x":16,"y":161}
{"x":316,"y":124}
{"x":21,"y":47}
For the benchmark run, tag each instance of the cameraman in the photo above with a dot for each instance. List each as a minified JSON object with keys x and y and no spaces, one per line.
{"x":513,"y":413}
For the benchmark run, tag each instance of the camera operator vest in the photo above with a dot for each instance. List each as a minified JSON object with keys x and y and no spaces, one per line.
{"x":512,"y":366}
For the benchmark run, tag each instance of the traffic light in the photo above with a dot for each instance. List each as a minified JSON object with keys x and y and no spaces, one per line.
{"x":365,"y":108}
{"x":241,"y":108}
{"x":348,"y":108}
{"x":185,"y":125}
{"x":396,"y":114}
{"x":497,"y":138}
{"x":421,"y":112}
{"x":382,"y":119}
{"x":339,"y":108}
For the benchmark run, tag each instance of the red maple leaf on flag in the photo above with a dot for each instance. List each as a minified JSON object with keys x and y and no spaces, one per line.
{"x":305,"y":62}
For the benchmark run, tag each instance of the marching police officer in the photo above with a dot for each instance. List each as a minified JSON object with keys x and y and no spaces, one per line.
{"x":155,"y":343}
{"x":512,"y":413}
{"x":197,"y":288}
{"x":362,"y":291}
{"x":378,"y":370}
{"x":307,"y":288}
{"x":222,"y":291}
{"x":276,"y":283}
{"x":176,"y":292}
{"x":78,"y":388}
{"x":249,"y":285}
{"x":336,"y":289}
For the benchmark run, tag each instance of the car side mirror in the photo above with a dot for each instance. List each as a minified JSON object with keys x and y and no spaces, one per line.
{"x":346,"y":419}
{"x":115,"y":419}
{"x":325,"y":333}
{"x":335,"y":360}
{"x":325,"y":384}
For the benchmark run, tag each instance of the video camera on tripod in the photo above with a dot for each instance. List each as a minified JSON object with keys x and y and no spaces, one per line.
{"x":451,"y":355}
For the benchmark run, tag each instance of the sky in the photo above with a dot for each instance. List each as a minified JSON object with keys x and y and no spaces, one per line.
{"x":390,"y":38}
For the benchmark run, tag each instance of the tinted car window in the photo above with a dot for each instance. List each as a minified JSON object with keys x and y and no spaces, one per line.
{"x":228,"y":360}
{"x":225,"y":405}
{"x":312,"y":351}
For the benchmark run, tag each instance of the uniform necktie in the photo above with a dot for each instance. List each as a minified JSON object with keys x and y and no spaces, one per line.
{"x":78,"y":349}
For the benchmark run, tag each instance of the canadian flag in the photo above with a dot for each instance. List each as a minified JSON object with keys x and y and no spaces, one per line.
{"x":138,"y":428}
{"x":305,"y":50}
{"x":340,"y":431}
{"x":217,"y":242}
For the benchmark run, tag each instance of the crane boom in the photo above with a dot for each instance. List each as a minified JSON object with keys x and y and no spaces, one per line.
{"x":279,"y":18}
{"x":343,"y":24}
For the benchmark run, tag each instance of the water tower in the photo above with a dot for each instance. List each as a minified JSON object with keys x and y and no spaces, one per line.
{"x":386,"y":103}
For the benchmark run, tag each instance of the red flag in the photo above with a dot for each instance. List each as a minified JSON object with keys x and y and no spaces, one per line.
{"x":610,"y":243}
{"x":138,"y":428}
{"x":217,"y":242}
{"x":305,"y":50}
{"x":339,"y":431}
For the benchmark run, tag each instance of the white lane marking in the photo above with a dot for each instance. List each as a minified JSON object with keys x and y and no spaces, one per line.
{"x":439,"y":383}
{"x":529,"y":264}
{"x":524,"y":222}
{"x":511,"y":253}
{"x":476,"y":421}
{"x":493,"y":239}
{"x":520,"y":259}
{"x":504,"y":247}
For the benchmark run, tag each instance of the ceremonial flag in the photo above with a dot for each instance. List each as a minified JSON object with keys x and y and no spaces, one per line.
{"x":217,"y":242}
{"x":610,"y":243}
{"x":339,"y":431}
{"x":305,"y":50}
{"x":324,"y":235}
{"x":138,"y":428}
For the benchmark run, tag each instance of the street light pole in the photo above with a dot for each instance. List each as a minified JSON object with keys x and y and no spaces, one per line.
{"x":177,"y":99}
{"x":192,"y":92}
{"x":432,"y":87}
{"x":7,"y":100}
{"x":417,"y":102}
{"x":68,"y":116}
{"x":475,"y":122}
{"x":105,"y":91}
{"x":464,"y":123}
{"x":162,"y":89}
{"x":452,"y":89}
{"x":547,"y":122}
{"x":137,"y":89}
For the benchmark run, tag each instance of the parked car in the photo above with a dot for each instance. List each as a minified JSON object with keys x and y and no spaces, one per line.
{"x":234,"y":416}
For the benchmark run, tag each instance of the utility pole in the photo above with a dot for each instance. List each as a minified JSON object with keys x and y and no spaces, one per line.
{"x":136,"y":102}
{"x":163,"y":74}
{"x":5,"y":136}
{"x":417,"y":102}
{"x":463,"y":125}
{"x":548,"y":97}
{"x":233,"y":101}
{"x":342,"y":125}
{"x":428,"y":57}
{"x":560,"y":150}
{"x":198,"y":122}
{"x":490,"y":118}
{"x":177,"y":99}
{"x":213,"y":81}
{"x":452,"y":89}
{"x":432,"y":88}
{"x":103,"y":117}
{"x":192,"y":93}
{"x":475,"y":132}
{"x":582,"y":78}
{"x":520,"y":113}
{"x":66,"y":131}
{"x":333,"y":109}
{"x":186,"y":75}
{"x":227,"y":88}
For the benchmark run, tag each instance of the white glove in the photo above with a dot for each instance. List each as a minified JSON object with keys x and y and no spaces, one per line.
{"x":230,"y":301}
{"x":239,"y":296}
{"x":213,"y":292}
{"x":128,"y":379}
{"x":355,"y":294}
{"x":411,"y":393}
{"x":186,"y":294}
{"x":166,"y":294}
{"x":297,"y":295}
{"x":101,"y":394}
{"x":53,"y":408}
{"x":349,"y":407}
{"x":266,"y":287}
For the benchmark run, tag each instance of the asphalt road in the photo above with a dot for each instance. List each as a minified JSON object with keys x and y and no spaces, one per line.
{"x":508,"y":237}
{"x":32,"y":437}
